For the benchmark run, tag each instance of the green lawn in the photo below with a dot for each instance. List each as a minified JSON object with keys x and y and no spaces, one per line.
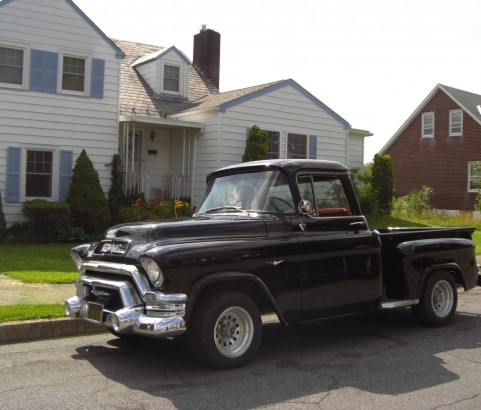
{"x":11,"y":313}
{"x":42,"y":263}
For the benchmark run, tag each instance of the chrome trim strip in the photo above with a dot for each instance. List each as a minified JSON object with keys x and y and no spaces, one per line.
{"x":393,"y":304}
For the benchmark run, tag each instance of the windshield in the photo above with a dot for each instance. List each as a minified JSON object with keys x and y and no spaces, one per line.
{"x":263,"y":191}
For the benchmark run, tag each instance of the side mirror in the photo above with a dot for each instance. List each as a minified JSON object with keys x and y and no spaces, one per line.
{"x":304,"y":207}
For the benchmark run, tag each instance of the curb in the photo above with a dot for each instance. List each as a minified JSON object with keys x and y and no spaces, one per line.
{"x":27,"y":330}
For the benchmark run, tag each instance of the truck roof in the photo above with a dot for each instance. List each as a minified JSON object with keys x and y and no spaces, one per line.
{"x":289,"y":165}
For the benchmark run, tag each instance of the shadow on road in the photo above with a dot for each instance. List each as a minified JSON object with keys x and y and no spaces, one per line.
{"x":383,"y":352}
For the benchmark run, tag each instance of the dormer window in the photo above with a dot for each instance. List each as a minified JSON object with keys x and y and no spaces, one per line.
{"x":171,"y":78}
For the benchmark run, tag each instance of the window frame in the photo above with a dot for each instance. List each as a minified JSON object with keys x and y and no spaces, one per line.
{"x":424,"y":127}
{"x":86,"y":84}
{"x":180,"y":79}
{"x":25,"y":68}
{"x":452,"y":124}
{"x":273,"y":154}
{"x":470,"y":177}
{"x":306,"y":145}
{"x":53,"y":174}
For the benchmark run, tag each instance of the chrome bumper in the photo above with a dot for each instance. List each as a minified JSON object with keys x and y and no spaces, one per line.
{"x":144,"y":312}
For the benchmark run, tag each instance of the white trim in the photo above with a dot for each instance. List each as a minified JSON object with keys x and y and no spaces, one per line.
{"x":26,"y":64}
{"x":470,"y":163}
{"x":88,"y":62}
{"x":425,"y":115}
{"x":455,"y":134}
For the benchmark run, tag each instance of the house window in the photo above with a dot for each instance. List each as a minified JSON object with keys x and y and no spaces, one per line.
{"x":73,"y":74}
{"x":11,"y":65}
{"x":455,"y":123}
{"x":273,"y":141}
{"x":474,"y":176}
{"x":171,"y":78}
{"x":39,"y":174}
{"x":428,"y":125}
{"x":296,"y":146}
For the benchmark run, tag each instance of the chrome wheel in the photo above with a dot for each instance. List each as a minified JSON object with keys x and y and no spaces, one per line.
{"x":442,"y":298}
{"x":233,"y":332}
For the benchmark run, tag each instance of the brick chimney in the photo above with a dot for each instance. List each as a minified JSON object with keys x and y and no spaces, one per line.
{"x":207,"y":53}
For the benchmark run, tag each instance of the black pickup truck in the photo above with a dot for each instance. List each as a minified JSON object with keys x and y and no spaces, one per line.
{"x":281,"y":236}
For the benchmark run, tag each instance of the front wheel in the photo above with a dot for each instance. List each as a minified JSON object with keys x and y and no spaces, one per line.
{"x":225,"y":330}
{"x":438,"y":301}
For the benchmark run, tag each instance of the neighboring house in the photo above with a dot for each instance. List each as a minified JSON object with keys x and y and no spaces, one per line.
{"x":440,"y":146}
{"x":59,"y":92}
{"x":161,"y":112}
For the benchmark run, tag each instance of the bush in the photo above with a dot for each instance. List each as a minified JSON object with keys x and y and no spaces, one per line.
{"x":3,"y":223}
{"x":366,"y":197}
{"x":257,"y":145}
{"x":86,"y":199}
{"x":48,"y":222}
{"x":418,"y":202}
{"x":382,"y":182}
{"x":142,"y":210}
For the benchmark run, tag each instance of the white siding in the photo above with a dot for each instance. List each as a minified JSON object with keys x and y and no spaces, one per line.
{"x":355,"y":152}
{"x":57,"y":121}
{"x":286,"y":110}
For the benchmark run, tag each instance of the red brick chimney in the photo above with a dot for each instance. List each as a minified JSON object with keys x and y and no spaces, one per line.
{"x":207,"y":53}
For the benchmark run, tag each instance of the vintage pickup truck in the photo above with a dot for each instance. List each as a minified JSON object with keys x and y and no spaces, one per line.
{"x":281,"y":236}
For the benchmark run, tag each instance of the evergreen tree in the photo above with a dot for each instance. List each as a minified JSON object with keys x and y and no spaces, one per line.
{"x":86,"y":199}
{"x":257,"y":145}
{"x":382,"y":181}
{"x":3,"y":224}
{"x":116,"y":193}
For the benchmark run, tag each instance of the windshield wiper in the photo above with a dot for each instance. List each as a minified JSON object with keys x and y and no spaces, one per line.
{"x":220,"y":208}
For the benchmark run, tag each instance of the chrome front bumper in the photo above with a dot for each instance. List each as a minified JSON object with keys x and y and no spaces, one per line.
{"x":143,"y":311}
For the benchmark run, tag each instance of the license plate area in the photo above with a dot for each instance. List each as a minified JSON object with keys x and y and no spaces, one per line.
{"x":95,"y":312}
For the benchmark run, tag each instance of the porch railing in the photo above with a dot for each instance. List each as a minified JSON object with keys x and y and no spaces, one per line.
{"x":137,"y":183}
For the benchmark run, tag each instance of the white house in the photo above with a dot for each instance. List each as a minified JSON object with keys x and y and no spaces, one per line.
{"x":65,"y":86}
{"x":59,"y":93}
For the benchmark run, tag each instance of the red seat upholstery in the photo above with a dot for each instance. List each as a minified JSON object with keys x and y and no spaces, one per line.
{"x":334,"y":212}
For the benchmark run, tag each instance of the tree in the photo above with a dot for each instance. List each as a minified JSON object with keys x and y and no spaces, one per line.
{"x":3,"y":224}
{"x":257,"y":145}
{"x":116,"y":194}
{"x":86,"y":199}
{"x":382,"y":182}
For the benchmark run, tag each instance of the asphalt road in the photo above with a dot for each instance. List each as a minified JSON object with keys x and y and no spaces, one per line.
{"x":376,"y":361}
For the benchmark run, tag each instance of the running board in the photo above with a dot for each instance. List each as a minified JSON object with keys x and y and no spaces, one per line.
{"x":393,"y":304}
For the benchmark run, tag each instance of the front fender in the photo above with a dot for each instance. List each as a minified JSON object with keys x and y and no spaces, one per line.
{"x":234,"y":281}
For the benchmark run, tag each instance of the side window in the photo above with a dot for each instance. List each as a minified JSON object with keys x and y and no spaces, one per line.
{"x":326,"y":195}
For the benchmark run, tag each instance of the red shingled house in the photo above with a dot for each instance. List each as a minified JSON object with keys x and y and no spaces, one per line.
{"x":439,"y":146}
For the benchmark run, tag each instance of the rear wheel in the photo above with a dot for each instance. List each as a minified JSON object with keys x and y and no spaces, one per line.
{"x":439,"y":300}
{"x":225,"y":330}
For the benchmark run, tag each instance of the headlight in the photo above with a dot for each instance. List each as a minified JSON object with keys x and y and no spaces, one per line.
{"x":76,"y":259}
{"x":153,"y":271}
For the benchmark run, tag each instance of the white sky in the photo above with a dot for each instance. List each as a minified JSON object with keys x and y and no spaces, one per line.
{"x":371,"y":61}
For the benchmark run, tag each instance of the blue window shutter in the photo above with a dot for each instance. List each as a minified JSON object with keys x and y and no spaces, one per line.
{"x":66,"y":160}
{"x":50,"y":72}
{"x":13,"y":174}
{"x":312,"y":146}
{"x":97,"y":82}
{"x":43,"y":71}
{"x":36,"y":70}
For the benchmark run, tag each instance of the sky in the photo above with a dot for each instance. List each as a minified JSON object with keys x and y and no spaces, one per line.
{"x":371,"y":61}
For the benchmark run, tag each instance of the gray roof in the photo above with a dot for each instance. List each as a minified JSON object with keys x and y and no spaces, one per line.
{"x":467,"y":101}
{"x":136,"y":96}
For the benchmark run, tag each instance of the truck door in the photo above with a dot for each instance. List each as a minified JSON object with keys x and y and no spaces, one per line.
{"x":340,"y":257}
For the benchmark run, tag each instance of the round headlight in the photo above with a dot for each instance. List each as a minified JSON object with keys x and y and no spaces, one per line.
{"x":76,"y":259}
{"x":153,"y":271}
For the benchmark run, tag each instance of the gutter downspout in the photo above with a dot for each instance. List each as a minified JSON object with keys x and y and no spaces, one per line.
{"x":194,"y":165}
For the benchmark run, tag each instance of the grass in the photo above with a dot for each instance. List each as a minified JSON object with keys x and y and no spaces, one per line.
{"x":12,"y":313}
{"x":37,"y":263}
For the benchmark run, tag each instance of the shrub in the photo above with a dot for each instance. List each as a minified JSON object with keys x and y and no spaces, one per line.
{"x":3,"y":223}
{"x":86,"y":199}
{"x":142,"y":210}
{"x":381,"y":182}
{"x":116,"y":198}
{"x":361,"y":182}
{"x":418,"y":202}
{"x":257,"y":145}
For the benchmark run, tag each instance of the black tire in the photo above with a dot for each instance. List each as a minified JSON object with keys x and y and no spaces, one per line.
{"x":439,"y":300}
{"x":225,"y":330}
